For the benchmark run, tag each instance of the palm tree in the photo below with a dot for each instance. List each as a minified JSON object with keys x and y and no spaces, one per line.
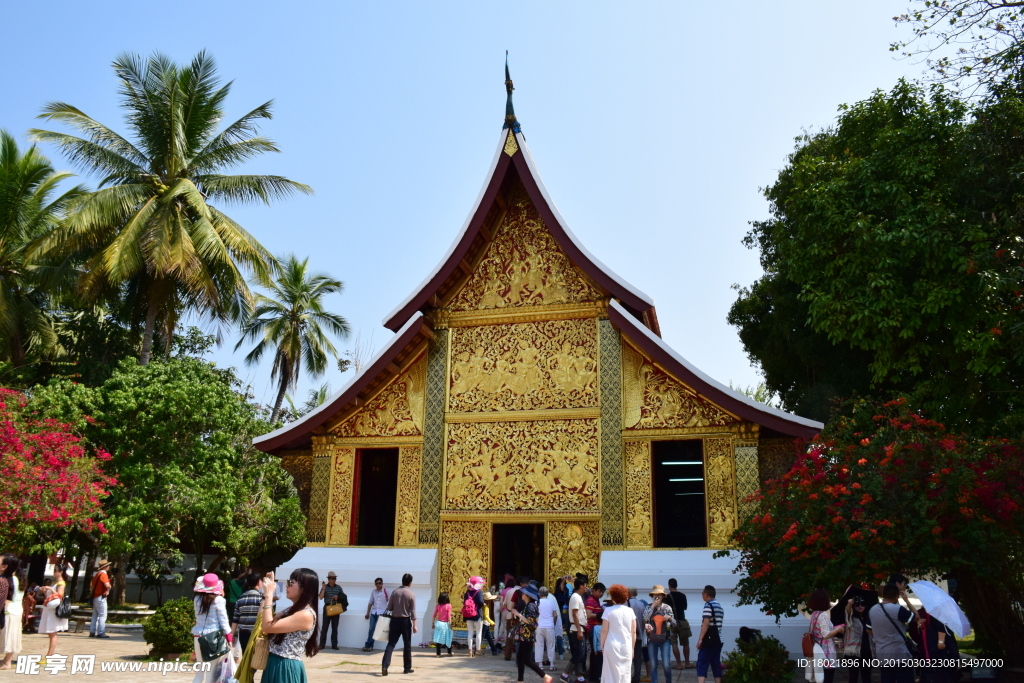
{"x":29,"y":208}
{"x":292,"y":321}
{"x":152,"y":228}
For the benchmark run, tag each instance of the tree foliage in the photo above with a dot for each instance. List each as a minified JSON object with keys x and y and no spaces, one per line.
{"x":972,"y":43}
{"x":885,"y":490}
{"x":52,"y":483}
{"x":893,"y":260}
{"x":154,"y":229}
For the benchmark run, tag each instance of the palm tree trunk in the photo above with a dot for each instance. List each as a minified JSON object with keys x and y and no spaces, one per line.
{"x":277,"y":404}
{"x":147,"y":336}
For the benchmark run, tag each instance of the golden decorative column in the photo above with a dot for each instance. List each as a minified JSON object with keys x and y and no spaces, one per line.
{"x":720,"y":488}
{"x":465,"y":552}
{"x":610,"y":366}
{"x":319,"y":492}
{"x":342,"y":485}
{"x":639,"y":534}
{"x":747,"y":479}
{"x":432,"y":459}
{"x":407,"y":512}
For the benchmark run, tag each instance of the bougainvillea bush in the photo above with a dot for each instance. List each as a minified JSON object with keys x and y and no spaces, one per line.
{"x":51,"y":482}
{"x":884,"y":490}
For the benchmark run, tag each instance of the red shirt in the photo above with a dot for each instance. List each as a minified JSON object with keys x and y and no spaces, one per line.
{"x":594,"y":605}
{"x":100,"y":584}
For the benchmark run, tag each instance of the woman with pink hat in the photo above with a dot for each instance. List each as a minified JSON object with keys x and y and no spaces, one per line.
{"x":212,"y":630}
{"x":472,"y":611}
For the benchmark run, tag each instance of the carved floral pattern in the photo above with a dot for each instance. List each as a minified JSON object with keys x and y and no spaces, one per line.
{"x":720,"y":483}
{"x":573,"y":547}
{"x":395,"y":411}
{"x":638,"y":494}
{"x":654,"y":400}
{"x":408,"y":512}
{"x":523,"y":266}
{"x":524,"y":366}
{"x":465,"y":552}
{"x":341,"y":495}
{"x":299,"y":464}
{"x":543,"y":465}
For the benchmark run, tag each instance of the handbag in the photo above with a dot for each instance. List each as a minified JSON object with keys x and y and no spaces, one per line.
{"x":63,"y":610}
{"x":214,"y":644}
{"x":807,"y":644}
{"x":260,"y":652}
{"x":915,"y":652}
{"x":383,"y":628}
{"x":333,"y":609}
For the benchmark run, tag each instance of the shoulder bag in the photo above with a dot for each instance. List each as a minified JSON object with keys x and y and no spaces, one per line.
{"x":915,"y":652}
{"x":383,"y":627}
{"x":213,"y":645}
{"x":807,"y":644}
{"x":63,"y":610}
{"x":260,"y":652}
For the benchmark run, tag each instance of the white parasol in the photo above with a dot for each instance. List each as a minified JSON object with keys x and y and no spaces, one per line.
{"x":942,"y":606}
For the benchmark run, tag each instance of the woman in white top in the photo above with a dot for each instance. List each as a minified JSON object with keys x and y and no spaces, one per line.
{"x":618,"y":635}
{"x":211,"y":615}
{"x":10,"y":638}
{"x":52,"y":596}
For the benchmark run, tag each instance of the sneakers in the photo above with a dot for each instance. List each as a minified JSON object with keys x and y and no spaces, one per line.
{"x":102,"y":635}
{"x":565,"y":677}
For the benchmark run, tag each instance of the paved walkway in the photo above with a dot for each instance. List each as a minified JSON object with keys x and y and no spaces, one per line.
{"x":129,"y":649}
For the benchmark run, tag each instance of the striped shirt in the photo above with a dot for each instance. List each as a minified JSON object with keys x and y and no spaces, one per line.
{"x":247,"y":608}
{"x":714,"y":612}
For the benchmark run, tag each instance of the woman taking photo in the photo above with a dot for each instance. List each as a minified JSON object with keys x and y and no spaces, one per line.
{"x":48,"y":622}
{"x":293,"y":632}
{"x":822,"y":632}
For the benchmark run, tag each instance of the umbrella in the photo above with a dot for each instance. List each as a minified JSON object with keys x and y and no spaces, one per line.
{"x":838,"y":613}
{"x":942,"y":606}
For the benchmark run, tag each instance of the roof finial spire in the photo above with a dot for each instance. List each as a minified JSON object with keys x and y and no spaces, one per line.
{"x":510,"y":112}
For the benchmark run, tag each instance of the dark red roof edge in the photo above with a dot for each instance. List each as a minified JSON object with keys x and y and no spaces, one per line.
{"x":733,"y":401}
{"x":637,"y":302}
{"x":296,"y":434}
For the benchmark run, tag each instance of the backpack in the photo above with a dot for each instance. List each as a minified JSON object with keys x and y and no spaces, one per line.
{"x":469,"y":606}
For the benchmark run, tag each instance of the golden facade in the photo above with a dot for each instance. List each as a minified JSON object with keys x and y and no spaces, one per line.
{"x":523,"y":403}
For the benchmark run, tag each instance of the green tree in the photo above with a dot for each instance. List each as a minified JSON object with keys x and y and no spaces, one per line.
{"x":30,"y":206}
{"x":896,"y":236}
{"x":885,"y":490}
{"x":293,"y":323}
{"x":154,"y":229}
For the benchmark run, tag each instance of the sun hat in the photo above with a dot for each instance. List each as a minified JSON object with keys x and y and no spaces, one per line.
{"x":331,"y":575}
{"x":531,"y":591}
{"x":657,"y":590}
{"x":103,"y":562}
{"x":209,"y":583}
{"x":475,"y":582}
{"x":488,"y":596}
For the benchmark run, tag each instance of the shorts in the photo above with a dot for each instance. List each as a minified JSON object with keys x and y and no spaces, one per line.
{"x":680,"y":632}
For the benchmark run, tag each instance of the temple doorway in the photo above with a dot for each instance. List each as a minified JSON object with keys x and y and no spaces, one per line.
{"x":376,"y":494}
{"x":518,"y":549}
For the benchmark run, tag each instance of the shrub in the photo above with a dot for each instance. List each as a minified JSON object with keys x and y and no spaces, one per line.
{"x":169,"y":629}
{"x":762,"y":661}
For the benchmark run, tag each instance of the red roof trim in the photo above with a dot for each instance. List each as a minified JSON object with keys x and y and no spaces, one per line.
{"x":736,"y":403}
{"x":296,"y":434}
{"x":632,"y":298}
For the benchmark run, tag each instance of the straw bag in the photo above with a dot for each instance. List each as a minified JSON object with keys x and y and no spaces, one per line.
{"x":260,"y":652}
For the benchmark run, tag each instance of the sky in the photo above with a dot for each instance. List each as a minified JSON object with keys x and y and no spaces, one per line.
{"x":653,"y":124}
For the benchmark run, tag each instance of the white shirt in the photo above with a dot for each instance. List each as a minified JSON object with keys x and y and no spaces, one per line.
{"x":576,"y":605}
{"x":378,"y":601}
{"x":548,"y":608}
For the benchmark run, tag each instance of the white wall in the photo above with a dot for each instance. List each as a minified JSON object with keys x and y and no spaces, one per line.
{"x":694,"y":569}
{"x":356,"y":569}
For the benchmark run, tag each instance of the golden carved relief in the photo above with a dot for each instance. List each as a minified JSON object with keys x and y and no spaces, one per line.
{"x":523,"y":266}
{"x":299,"y":464}
{"x":342,"y":482}
{"x":638,"y":494}
{"x":524,"y":366}
{"x":395,"y":411}
{"x":573,"y":547}
{"x":652,"y":399}
{"x":720,"y":488}
{"x":407,"y":514}
{"x":511,"y":146}
{"x":547,"y":465}
{"x":465,"y":552}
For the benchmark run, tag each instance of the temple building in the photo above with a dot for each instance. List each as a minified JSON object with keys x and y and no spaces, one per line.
{"x":527,"y":418}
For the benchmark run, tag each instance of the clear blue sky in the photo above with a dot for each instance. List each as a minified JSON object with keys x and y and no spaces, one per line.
{"x":653,"y":124}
